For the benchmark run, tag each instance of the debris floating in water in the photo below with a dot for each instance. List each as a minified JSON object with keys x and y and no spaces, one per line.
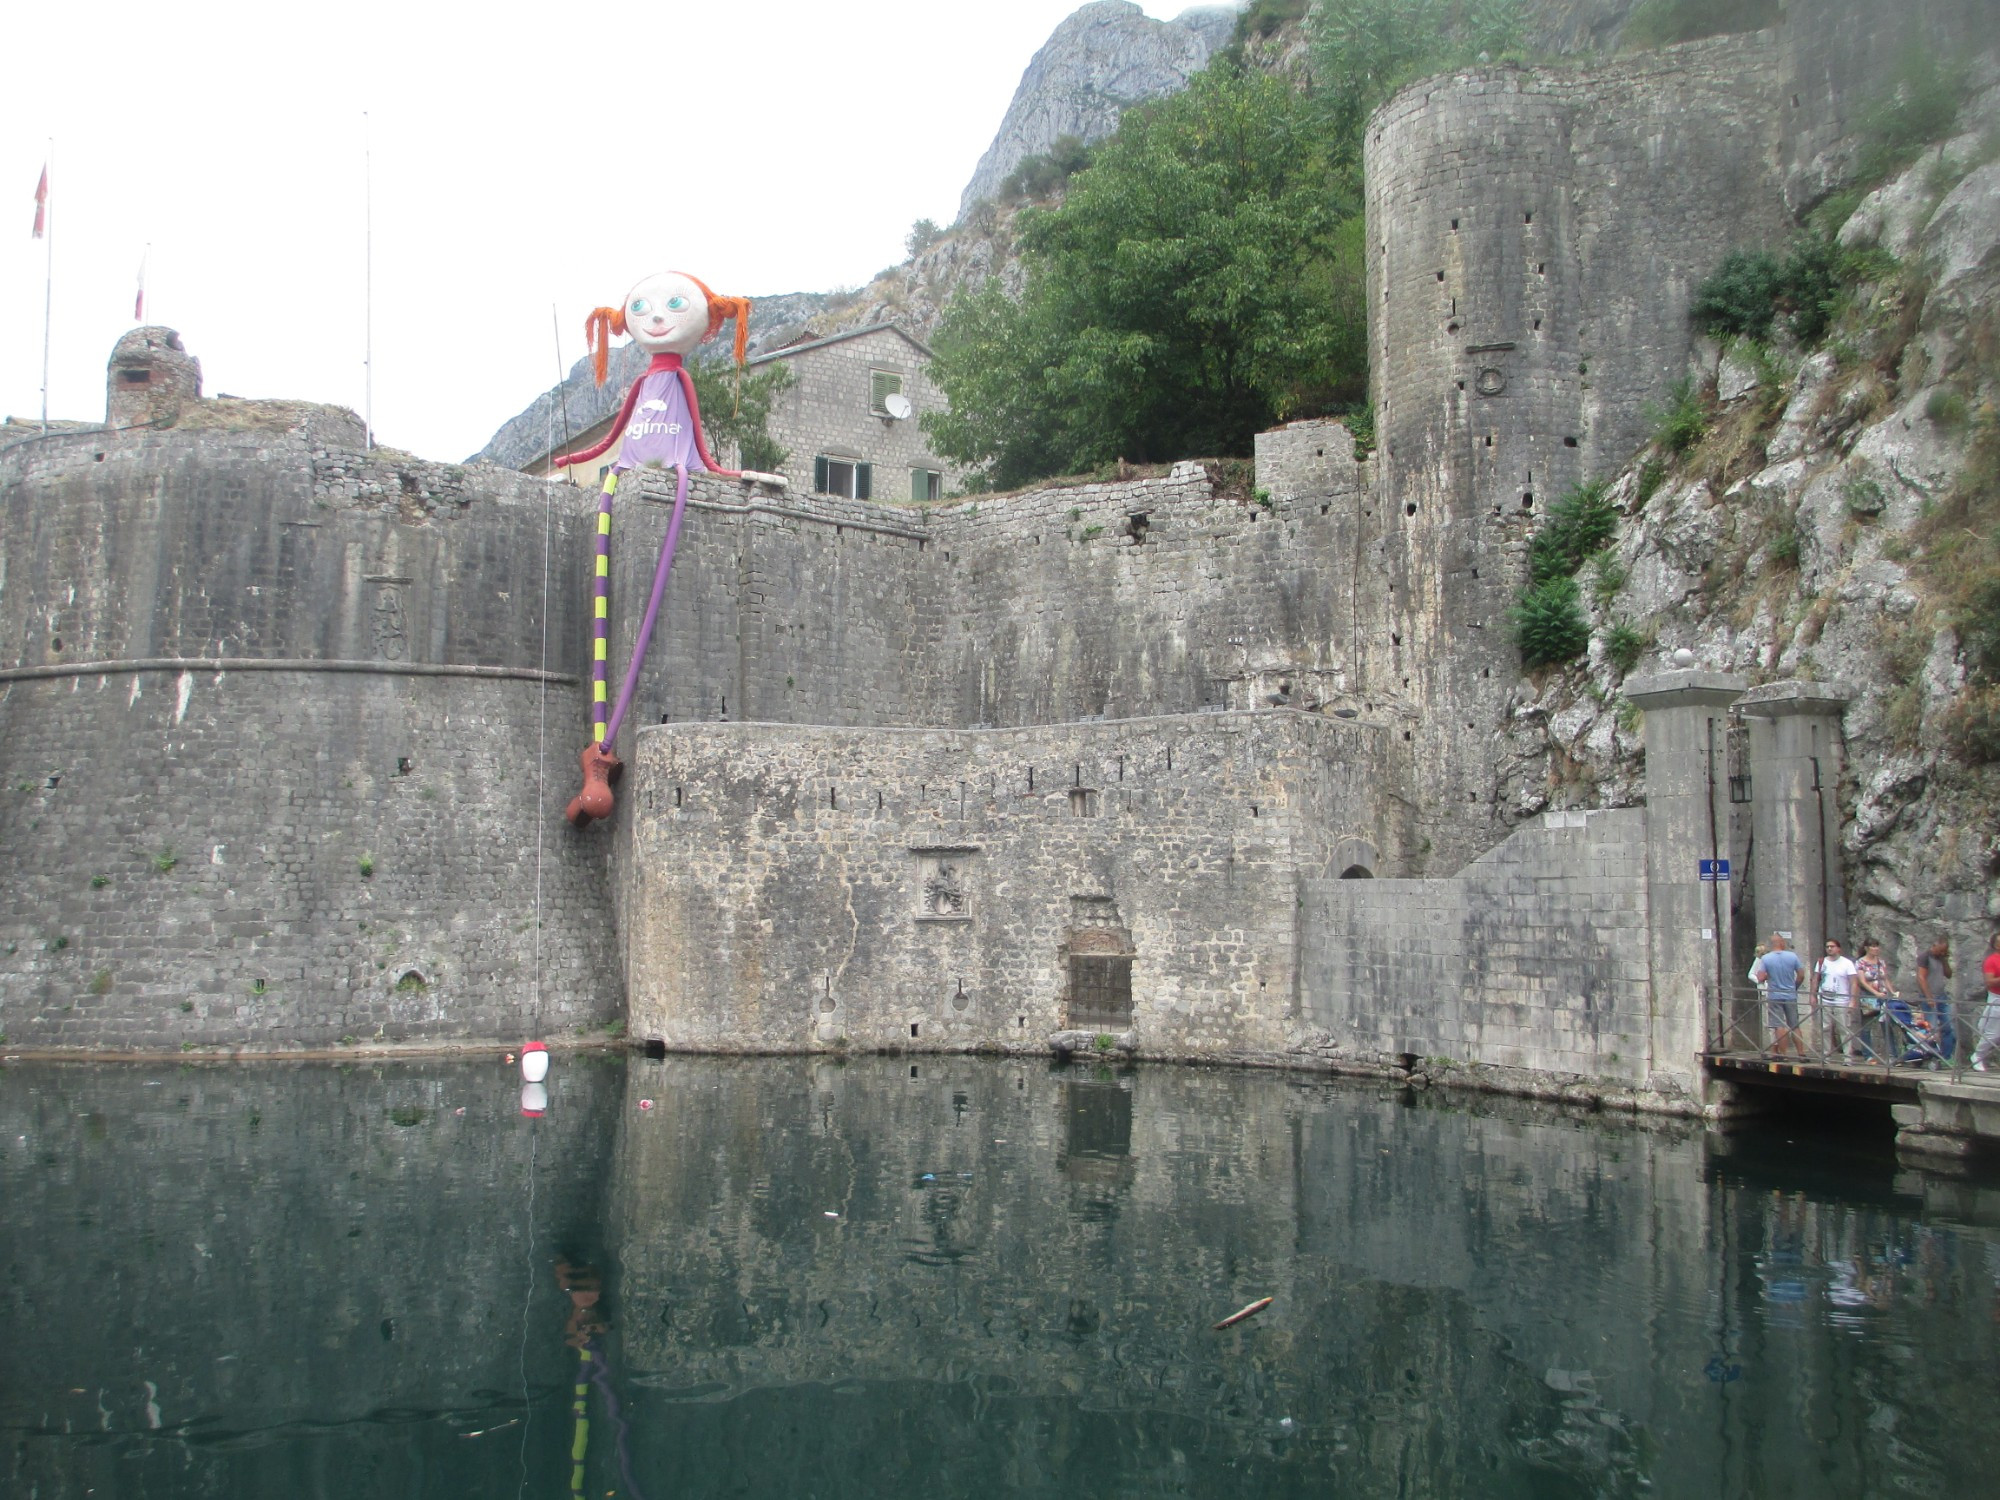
{"x":830,"y":1213}
{"x":1247,"y":1312}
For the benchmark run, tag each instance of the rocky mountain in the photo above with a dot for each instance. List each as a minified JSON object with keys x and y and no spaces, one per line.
{"x":1107,"y":56}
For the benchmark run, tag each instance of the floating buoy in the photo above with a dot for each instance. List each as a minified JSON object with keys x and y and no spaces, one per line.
{"x":534,"y":1100}
{"x":645,"y":1104}
{"x":534,"y":1062}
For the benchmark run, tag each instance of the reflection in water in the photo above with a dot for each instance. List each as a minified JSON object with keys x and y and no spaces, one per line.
{"x":807,"y":1278}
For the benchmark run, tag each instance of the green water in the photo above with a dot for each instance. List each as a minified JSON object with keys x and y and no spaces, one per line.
{"x":948,"y":1277}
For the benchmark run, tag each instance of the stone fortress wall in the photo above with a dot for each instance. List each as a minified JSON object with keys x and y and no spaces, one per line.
{"x":269,"y":718}
{"x":867,"y":646}
{"x":926,"y":889}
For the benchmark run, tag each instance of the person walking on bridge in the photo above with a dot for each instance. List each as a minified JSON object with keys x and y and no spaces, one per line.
{"x":1934,"y":984}
{"x":1836,"y":973}
{"x":1781,"y":970}
{"x":1989,"y":1016}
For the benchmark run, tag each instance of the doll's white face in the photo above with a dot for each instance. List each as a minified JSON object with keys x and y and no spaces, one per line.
{"x":666,"y":314}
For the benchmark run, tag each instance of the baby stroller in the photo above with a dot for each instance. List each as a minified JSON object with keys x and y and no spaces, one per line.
{"x":1911,"y":1036}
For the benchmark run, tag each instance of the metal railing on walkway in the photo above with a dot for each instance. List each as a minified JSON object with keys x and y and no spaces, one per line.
{"x":1900,"y":1035}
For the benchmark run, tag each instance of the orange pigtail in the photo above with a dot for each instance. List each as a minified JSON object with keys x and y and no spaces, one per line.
{"x":720,"y":310}
{"x":598,"y":328}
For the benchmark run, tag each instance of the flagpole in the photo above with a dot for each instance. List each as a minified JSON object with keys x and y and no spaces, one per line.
{"x":368,"y":284}
{"x":48,"y":276}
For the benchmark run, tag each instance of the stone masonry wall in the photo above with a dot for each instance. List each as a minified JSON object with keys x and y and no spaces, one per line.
{"x":1533,"y":958}
{"x":780,"y":891}
{"x":331,"y":830}
{"x":1534,"y":237}
{"x":1161,"y":596}
{"x":828,"y":411}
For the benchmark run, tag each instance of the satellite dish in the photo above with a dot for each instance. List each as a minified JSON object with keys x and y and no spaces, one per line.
{"x":897,"y":405}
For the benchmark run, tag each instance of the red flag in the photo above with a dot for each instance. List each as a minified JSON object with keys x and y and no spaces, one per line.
{"x":41,"y":203}
{"x":139,"y":305}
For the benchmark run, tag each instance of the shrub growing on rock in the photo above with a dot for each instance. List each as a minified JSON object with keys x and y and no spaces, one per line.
{"x":1578,"y":525}
{"x":1549,"y":625}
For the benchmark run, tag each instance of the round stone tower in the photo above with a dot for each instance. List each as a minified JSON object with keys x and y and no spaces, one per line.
{"x":150,"y":378}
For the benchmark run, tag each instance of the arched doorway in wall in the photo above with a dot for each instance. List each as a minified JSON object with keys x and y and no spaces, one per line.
{"x":1357,"y":872}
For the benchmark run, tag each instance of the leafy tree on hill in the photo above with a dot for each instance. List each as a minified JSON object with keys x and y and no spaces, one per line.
{"x":1203,"y":276}
{"x":727,"y":419}
{"x":1196,"y":283}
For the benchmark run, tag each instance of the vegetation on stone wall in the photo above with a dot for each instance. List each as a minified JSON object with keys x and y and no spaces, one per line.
{"x":1549,"y":623}
{"x":1660,"y":23}
{"x":1364,"y":50}
{"x":1549,"y":626}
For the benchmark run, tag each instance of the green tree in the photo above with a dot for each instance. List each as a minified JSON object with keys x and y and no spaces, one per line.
{"x":1364,"y":50}
{"x":725,"y":419}
{"x":1198,"y":282}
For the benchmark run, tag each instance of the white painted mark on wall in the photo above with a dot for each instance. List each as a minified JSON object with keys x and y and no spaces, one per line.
{"x":152,"y":1406}
{"x":215,"y":854}
{"x":186,"y":691}
{"x":133,"y":696}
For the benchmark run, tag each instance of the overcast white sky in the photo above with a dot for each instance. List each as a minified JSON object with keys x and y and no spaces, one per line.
{"x":523,"y":156}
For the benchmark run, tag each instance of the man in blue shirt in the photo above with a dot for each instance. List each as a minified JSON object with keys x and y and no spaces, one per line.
{"x":1782,"y":970}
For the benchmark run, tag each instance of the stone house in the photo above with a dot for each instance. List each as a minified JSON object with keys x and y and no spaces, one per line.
{"x":849,"y":424}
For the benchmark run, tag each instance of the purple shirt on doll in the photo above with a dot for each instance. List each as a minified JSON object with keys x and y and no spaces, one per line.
{"x":661,"y":430}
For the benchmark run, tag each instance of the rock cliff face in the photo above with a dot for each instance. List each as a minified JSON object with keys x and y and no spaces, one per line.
{"x":1815,"y":532}
{"x":1106,"y":56}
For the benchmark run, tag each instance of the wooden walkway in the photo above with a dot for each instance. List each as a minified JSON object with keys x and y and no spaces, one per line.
{"x":1823,"y":1076}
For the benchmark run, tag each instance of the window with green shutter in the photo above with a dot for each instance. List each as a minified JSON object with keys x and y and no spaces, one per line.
{"x":926,"y":484}
{"x":882,"y":384}
{"x":843,"y":476}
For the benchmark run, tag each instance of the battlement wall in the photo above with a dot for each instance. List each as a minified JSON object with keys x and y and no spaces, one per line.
{"x":270,"y":720}
{"x":793,"y":888}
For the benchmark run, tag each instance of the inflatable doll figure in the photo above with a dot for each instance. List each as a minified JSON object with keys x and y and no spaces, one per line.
{"x":667,"y":315}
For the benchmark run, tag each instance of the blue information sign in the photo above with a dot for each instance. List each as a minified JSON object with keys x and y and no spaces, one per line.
{"x":1715,"y":869}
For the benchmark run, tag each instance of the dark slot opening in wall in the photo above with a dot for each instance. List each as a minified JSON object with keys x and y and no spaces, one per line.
{"x":655,"y":1049}
{"x":1454,"y":223}
{"x":913,"y":1032}
{"x":1569,"y":442}
{"x":1100,"y":992}
{"x":136,"y":377}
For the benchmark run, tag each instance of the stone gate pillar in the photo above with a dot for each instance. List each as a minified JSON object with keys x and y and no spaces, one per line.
{"x":1687,"y":827}
{"x":1795,"y":766}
